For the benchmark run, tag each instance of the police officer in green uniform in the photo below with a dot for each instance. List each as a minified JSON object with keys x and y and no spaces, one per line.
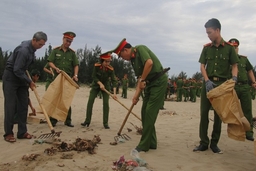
{"x":215,"y":59}
{"x":64,"y":58}
{"x":199,"y":88}
{"x":242,"y":87}
{"x":152,"y":79}
{"x":193,"y":90}
{"x":103,"y":74}
{"x":125,"y":83}
{"x":186,"y":90}
{"x":50,"y":75}
{"x":179,"y":89}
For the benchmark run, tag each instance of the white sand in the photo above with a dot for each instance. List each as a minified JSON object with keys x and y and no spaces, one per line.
{"x":177,"y":136}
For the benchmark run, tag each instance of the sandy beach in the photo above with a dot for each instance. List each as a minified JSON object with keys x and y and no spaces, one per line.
{"x":177,"y":132}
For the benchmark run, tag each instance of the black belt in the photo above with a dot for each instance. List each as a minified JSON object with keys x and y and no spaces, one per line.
{"x":217,"y":79}
{"x":242,"y":82}
{"x":159,"y":74}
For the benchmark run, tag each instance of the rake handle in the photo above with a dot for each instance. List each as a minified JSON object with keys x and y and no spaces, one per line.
{"x":121,"y":104}
{"x":125,"y":119}
{"x":41,"y":106}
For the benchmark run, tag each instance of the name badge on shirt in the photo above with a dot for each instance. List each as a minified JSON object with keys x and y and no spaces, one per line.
{"x":58,"y":54}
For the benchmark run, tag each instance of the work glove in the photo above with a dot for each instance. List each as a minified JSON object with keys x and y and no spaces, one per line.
{"x":234,"y":78}
{"x":209,"y":85}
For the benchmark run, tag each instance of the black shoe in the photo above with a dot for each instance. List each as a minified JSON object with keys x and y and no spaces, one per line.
{"x":85,"y":124}
{"x":69,"y":125}
{"x":216,"y":149}
{"x":200,"y":148}
{"x":162,"y":108}
{"x":106,"y":127}
{"x":250,"y":138}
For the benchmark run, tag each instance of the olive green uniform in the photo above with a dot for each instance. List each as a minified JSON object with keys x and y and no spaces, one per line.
{"x":49,"y":77}
{"x":199,"y":88}
{"x":153,"y":95}
{"x":179,"y":89}
{"x":65,"y":61}
{"x":218,"y":61}
{"x":243,"y":90}
{"x":193,"y":91}
{"x":124,"y":87}
{"x":186,"y":90}
{"x":100,"y":74}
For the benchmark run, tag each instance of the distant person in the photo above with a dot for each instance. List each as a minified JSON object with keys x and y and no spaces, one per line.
{"x":179,"y":89}
{"x":15,"y":86}
{"x":65,"y":59}
{"x":103,"y":74}
{"x":215,"y":61}
{"x":125,"y":83}
{"x":242,"y":87}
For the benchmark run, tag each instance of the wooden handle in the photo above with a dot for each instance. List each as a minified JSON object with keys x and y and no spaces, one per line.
{"x":42,"y":107}
{"x":121,"y":103}
{"x":125,"y":119}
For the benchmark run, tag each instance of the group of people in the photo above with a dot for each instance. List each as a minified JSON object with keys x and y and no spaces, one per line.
{"x":187,"y":88}
{"x":147,"y":67}
{"x":219,"y":61}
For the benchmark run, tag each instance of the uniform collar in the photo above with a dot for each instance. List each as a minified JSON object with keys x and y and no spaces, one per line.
{"x":61,"y":48}
{"x":222,"y":42}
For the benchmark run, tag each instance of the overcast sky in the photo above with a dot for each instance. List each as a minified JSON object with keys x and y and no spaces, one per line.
{"x":172,"y":29}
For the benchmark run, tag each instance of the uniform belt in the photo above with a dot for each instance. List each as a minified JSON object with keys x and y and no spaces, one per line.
{"x":242,"y":82}
{"x":217,"y":79}
{"x":157,"y":75}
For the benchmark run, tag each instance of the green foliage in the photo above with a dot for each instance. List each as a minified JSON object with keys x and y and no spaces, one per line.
{"x":182,"y":74}
{"x":198,"y":76}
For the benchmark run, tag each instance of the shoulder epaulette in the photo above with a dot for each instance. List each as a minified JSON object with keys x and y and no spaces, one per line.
{"x":97,"y":64}
{"x":243,"y":56}
{"x":110,"y":67}
{"x":72,"y":50}
{"x":57,"y":47}
{"x":229,"y":43}
{"x":208,"y":44}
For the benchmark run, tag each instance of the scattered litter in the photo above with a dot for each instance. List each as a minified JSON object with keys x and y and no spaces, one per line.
{"x":78,"y":145}
{"x":129,"y":130}
{"x":139,"y":129}
{"x":30,"y":157}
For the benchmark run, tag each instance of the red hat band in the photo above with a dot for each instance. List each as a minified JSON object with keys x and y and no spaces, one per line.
{"x":105,"y":56}
{"x":121,"y":46}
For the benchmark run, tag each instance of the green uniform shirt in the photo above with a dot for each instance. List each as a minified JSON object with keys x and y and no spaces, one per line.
{"x":124,"y":82}
{"x":103,"y":75}
{"x":65,"y":61}
{"x":243,"y":67}
{"x":179,"y":83}
{"x":142,"y":54}
{"x":218,"y":59}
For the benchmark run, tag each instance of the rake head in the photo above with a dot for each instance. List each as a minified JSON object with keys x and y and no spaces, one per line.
{"x":49,"y":135}
{"x":121,"y":137}
{"x":254,"y":124}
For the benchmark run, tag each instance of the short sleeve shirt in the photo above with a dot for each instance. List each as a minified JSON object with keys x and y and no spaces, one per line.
{"x":218,"y":59}
{"x":65,"y":61}
{"x":244,"y":66}
{"x":142,"y":54}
